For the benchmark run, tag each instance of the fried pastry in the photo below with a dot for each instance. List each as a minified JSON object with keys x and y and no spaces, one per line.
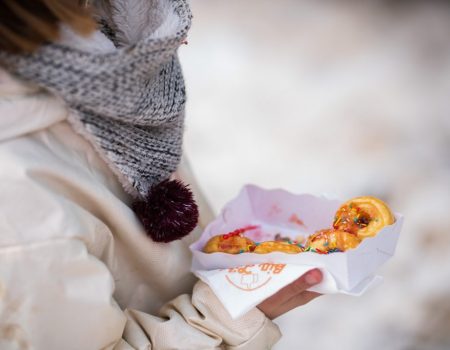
{"x":229,"y":244}
{"x":331,"y":240}
{"x":277,"y":246}
{"x":363,"y":216}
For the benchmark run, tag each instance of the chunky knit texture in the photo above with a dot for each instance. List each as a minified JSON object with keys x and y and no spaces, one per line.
{"x":128,"y":103}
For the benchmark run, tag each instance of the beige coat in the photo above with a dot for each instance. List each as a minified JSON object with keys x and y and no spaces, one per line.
{"x":76,"y":269}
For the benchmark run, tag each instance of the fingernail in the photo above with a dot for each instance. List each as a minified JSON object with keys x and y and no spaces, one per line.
{"x":313,"y":277}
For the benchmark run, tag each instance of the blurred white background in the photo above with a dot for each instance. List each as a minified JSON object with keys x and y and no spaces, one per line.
{"x":344,"y":98}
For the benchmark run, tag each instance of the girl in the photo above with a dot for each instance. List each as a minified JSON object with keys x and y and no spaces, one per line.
{"x":92,"y":253}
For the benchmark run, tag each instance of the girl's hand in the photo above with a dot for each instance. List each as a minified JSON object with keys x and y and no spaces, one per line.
{"x":292,"y":295}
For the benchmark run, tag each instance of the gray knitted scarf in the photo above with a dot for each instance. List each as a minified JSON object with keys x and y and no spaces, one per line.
{"x":128,"y":103}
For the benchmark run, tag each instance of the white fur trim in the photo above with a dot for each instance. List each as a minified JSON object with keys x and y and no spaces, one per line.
{"x":170,"y":22}
{"x":132,"y":17}
{"x":96,"y":42}
{"x":136,"y":19}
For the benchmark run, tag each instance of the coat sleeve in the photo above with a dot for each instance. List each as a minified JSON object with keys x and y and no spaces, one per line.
{"x":201,"y":319}
{"x":55,"y":295}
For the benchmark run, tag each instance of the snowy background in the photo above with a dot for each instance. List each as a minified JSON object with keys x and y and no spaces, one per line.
{"x":344,"y":98}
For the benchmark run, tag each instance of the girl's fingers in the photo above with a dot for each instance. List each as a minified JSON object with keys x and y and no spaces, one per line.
{"x":297,"y":287}
{"x":292,"y":295}
{"x":298,"y":300}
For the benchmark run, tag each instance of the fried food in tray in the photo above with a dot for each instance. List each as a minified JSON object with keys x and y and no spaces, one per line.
{"x":355,"y":220}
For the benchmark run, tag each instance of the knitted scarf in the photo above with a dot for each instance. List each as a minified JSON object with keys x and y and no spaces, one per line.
{"x":128,"y":103}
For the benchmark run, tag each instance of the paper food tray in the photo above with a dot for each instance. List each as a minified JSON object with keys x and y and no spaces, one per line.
{"x":278,"y":211}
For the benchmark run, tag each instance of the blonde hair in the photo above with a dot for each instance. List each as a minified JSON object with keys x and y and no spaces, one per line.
{"x":27,"y":24}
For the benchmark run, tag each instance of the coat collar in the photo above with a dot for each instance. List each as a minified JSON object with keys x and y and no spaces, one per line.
{"x":25,"y":108}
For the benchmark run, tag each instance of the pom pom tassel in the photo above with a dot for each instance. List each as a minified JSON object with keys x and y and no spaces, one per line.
{"x":169,"y":211}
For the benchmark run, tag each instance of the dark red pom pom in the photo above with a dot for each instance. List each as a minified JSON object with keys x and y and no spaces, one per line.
{"x":169,"y":212}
